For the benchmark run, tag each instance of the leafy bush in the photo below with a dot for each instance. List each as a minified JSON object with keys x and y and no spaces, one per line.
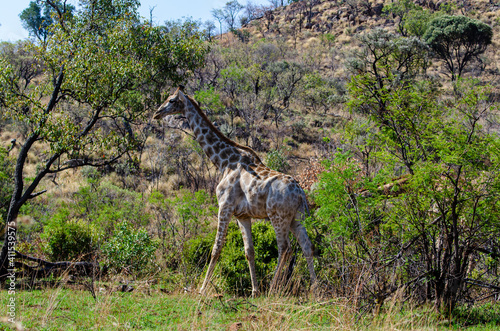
{"x":106,"y":204}
{"x":242,"y":35}
{"x":69,"y":239}
{"x":276,"y":160}
{"x":130,"y":249}
{"x":234,"y":266}
{"x":179,"y":219}
{"x":478,"y":314}
{"x":197,"y":252}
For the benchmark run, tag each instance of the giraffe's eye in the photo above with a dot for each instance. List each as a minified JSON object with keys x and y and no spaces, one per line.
{"x":173,"y":100}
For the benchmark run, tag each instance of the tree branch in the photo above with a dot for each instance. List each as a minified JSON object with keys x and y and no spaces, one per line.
{"x":87,"y":163}
{"x":486,"y":251}
{"x":59,"y":13}
{"x":482,"y":284}
{"x":34,"y":195}
{"x":29,"y":191}
{"x":45,"y":267}
{"x":55,"y":94}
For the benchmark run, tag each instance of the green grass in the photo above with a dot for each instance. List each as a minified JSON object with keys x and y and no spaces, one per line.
{"x":56,"y":309}
{"x":150,"y":309}
{"x":70,"y":309}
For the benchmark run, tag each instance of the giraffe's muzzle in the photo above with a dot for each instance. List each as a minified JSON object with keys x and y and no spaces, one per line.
{"x":159,"y":114}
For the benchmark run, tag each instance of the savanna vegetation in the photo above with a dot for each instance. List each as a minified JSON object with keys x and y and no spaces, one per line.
{"x":386,"y":113}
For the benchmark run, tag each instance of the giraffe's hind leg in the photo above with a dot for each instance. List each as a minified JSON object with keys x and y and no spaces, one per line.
{"x":299,"y":231}
{"x":245,"y":225}
{"x":282,"y":229}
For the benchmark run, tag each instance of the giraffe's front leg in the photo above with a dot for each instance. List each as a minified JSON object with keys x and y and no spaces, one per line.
{"x":224,"y":218}
{"x":246,"y":232}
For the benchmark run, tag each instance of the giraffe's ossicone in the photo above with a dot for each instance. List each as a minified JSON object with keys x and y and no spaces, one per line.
{"x":248,"y":189}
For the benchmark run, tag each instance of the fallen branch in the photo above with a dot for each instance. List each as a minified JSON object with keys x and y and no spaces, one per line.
{"x":487,"y":251}
{"x":46,"y":268}
{"x":482,"y":284}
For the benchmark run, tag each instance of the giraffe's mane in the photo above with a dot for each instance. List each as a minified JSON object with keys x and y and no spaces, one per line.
{"x":217,"y":131}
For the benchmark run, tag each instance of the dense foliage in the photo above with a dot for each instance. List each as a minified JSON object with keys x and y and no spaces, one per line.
{"x":431,"y":223}
{"x":401,"y":163}
{"x":130,"y":251}
{"x":233,"y":266}
{"x":457,"y":40}
{"x":101,"y":70}
{"x":69,"y":239}
{"x":39,"y":16}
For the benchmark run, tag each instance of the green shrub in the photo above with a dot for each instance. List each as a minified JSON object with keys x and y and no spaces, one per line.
{"x":179,"y":219}
{"x":197,"y":252}
{"x":130,"y":249}
{"x":276,"y":160}
{"x":232,"y":266}
{"x":479,"y":314}
{"x":69,"y":239}
{"x":106,"y":204}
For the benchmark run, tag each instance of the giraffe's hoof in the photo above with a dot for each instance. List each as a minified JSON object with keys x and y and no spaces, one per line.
{"x":315,"y":288}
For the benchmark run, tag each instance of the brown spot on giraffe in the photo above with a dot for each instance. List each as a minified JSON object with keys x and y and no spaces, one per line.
{"x":248,"y":189}
{"x":233,"y":158}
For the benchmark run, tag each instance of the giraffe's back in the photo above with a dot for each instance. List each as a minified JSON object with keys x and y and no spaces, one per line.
{"x":260,"y":192}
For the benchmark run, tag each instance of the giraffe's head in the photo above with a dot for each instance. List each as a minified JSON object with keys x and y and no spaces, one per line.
{"x":175,"y":104}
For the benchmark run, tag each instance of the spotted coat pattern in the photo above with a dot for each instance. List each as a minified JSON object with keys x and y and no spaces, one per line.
{"x":248,"y":189}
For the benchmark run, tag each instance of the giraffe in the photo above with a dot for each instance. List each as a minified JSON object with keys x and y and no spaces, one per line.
{"x":248,"y":189}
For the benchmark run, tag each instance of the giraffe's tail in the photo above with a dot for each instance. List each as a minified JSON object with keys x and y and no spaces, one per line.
{"x":303,"y":211}
{"x":300,"y":232}
{"x":303,"y":214}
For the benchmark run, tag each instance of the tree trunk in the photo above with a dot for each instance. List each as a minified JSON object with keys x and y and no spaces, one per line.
{"x":20,"y":196}
{"x":9,"y":245}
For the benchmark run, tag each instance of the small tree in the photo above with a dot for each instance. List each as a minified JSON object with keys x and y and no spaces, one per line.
{"x":103,"y":70}
{"x":209,"y":29}
{"x":253,"y":11}
{"x":231,"y":11}
{"x":413,"y":19}
{"x":21,"y":58}
{"x":457,"y":40}
{"x":37,"y":18}
{"x":386,"y":63}
{"x":218,"y":14}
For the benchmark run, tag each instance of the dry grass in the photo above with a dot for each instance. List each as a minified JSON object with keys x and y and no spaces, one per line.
{"x":311,"y":42}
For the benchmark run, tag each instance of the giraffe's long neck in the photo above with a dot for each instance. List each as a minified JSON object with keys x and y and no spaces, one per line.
{"x":217,"y":150}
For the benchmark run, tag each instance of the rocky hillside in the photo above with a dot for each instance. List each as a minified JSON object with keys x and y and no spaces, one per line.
{"x":304,"y":24}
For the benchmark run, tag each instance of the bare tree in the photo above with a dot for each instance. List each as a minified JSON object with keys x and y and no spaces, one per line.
{"x":231,"y":11}
{"x":275,"y":3}
{"x":218,"y":14}
{"x":209,"y":29}
{"x":253,"y":11}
